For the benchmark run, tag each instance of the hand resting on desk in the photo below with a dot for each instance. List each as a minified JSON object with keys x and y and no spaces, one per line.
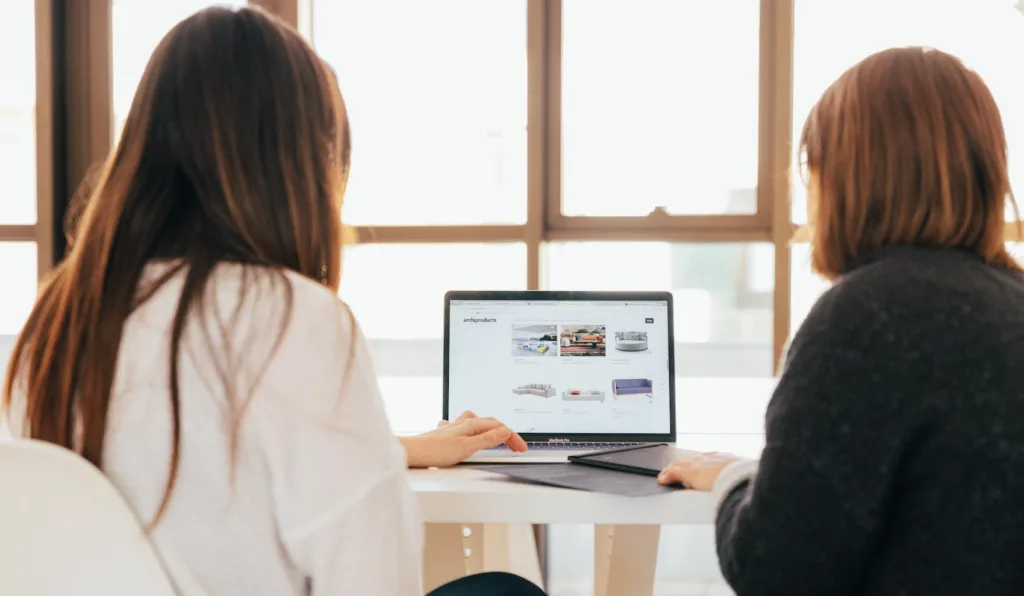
{"x":699,"y":472}
{"x":453,"y":442}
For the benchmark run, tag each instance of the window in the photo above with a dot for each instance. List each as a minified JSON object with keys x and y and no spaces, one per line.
{"x":723,"y":296}
{"x":438,"y":108}
{"x":18,"y":264}
{"x":723,"y":302}
{"x":396,"y":292}
{"x":806,"y":286}
{"x":17,"y":113}
{"x":19,"y":269}
{"x":1016,"y":250}
{"x":987,"y":34}
{"x":439,"y":95}
{"x":648,"y":120}
{"x":137,"y":28}
{"x":621,"y":109}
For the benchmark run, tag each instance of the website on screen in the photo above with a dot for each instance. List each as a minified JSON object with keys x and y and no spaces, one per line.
{"x":561,"y":367}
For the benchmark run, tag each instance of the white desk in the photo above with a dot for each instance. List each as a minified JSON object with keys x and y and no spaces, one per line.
{"x":479,"y":521}
{"x":468,"y":495}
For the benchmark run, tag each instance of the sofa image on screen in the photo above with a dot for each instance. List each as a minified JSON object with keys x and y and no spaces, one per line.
{"x":582,"y":340}
{"x":622,"y":387}
{"x":534,"y":339}
{"x":582,"y":395}
{"x":631,"y":341}
{"x":538,"y":389}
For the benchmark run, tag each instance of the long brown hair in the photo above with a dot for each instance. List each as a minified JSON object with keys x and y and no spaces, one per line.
{"x":906,"y":148}
{"x":79,"y":200}
{"x":236,"y":149}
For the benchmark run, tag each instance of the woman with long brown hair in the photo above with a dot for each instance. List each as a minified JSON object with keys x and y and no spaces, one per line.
{"x":192,"y":345}
{"x":894,"y":456}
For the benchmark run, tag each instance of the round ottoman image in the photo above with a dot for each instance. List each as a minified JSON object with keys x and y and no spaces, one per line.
{"x":631,"y":341}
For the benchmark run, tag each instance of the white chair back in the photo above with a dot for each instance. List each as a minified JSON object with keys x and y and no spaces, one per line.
{"x":6,"y":347}
{"x":66,"y":531}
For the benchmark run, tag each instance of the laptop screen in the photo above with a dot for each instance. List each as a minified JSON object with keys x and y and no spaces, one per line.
{"x":554,"y":367}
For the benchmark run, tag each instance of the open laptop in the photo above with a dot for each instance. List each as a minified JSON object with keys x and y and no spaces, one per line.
{"x":572,"y":372}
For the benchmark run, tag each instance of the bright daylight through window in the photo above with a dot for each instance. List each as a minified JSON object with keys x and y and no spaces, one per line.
{"x":17,"y":161}
{"x":438,"y":108}
{"x":649,"y":120}
{"x":829,"y":38}
{"x":637,"y":106}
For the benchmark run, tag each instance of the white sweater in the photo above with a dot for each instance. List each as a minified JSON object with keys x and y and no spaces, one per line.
{"x":316,"y":490}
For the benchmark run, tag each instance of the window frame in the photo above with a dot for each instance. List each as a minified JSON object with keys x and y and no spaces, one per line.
{"x":74,"y":114}
{"x":73,"y":61}
{"x":545,"y":221}
{"x":72,"y":104}
{"x":757,"y":224}
{"x":41,"y":231}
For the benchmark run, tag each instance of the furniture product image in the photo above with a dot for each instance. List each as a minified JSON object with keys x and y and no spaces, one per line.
{"x":580,"y":395}
{"x":592,"y":340}
{"x":539,"y":347}
{"x":582,"y":340}
{"x":538,"y":389}
{"x":631,"y":341}
{"x":621,"y":387}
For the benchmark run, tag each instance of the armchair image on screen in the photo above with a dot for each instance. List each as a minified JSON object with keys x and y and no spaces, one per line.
{"x":628,"y":387}
{"x":538,"y":389}
{"x":631,"y":341}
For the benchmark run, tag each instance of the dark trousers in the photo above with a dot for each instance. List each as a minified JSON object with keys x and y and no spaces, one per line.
{"x":489,"y":584}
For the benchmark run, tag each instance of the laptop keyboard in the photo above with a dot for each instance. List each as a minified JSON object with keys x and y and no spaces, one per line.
{"x":542,"y":446}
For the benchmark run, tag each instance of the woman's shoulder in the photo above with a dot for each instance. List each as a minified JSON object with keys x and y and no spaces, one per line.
{"x":269,"y":321}
{"x":245,"y":307}
{"x":295,"y":313}
{"x":297,"y":340}
{"x":925,"y":280}
{"x":904,"y":295}
{"x":274,"y":287}
{"x":874,"y":292}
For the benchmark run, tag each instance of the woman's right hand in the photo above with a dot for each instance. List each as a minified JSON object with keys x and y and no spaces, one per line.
{"x":453,"y":442}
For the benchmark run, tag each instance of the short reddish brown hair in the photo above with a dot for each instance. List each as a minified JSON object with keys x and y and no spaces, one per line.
{"x":906,"y":148}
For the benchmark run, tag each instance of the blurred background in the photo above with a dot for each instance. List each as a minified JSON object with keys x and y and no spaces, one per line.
{"x":527,"y":144}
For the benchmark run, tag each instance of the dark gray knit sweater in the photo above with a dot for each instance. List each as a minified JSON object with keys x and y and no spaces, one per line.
{"x":894,"y":458}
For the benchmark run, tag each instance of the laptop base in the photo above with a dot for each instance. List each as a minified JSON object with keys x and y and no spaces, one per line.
{"x":540,"y":453}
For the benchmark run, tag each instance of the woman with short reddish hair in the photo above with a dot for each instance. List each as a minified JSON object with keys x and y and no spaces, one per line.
{"x":894,"y":456}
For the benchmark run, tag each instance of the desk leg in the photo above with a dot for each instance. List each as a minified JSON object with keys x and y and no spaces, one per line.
{"x":523,"y":554}
{"x":444,"y":557}
{"x":474,"y":543}
{"x":503,"y":547}
{"x":455,"y":550}
{"x":540,"y":542}
{"x":496,"y":549}
{"x":625,"y":558}
{"x":487,"y":547}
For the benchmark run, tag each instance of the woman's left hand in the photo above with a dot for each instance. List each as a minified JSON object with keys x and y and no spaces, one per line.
{"x":699,"y":472}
